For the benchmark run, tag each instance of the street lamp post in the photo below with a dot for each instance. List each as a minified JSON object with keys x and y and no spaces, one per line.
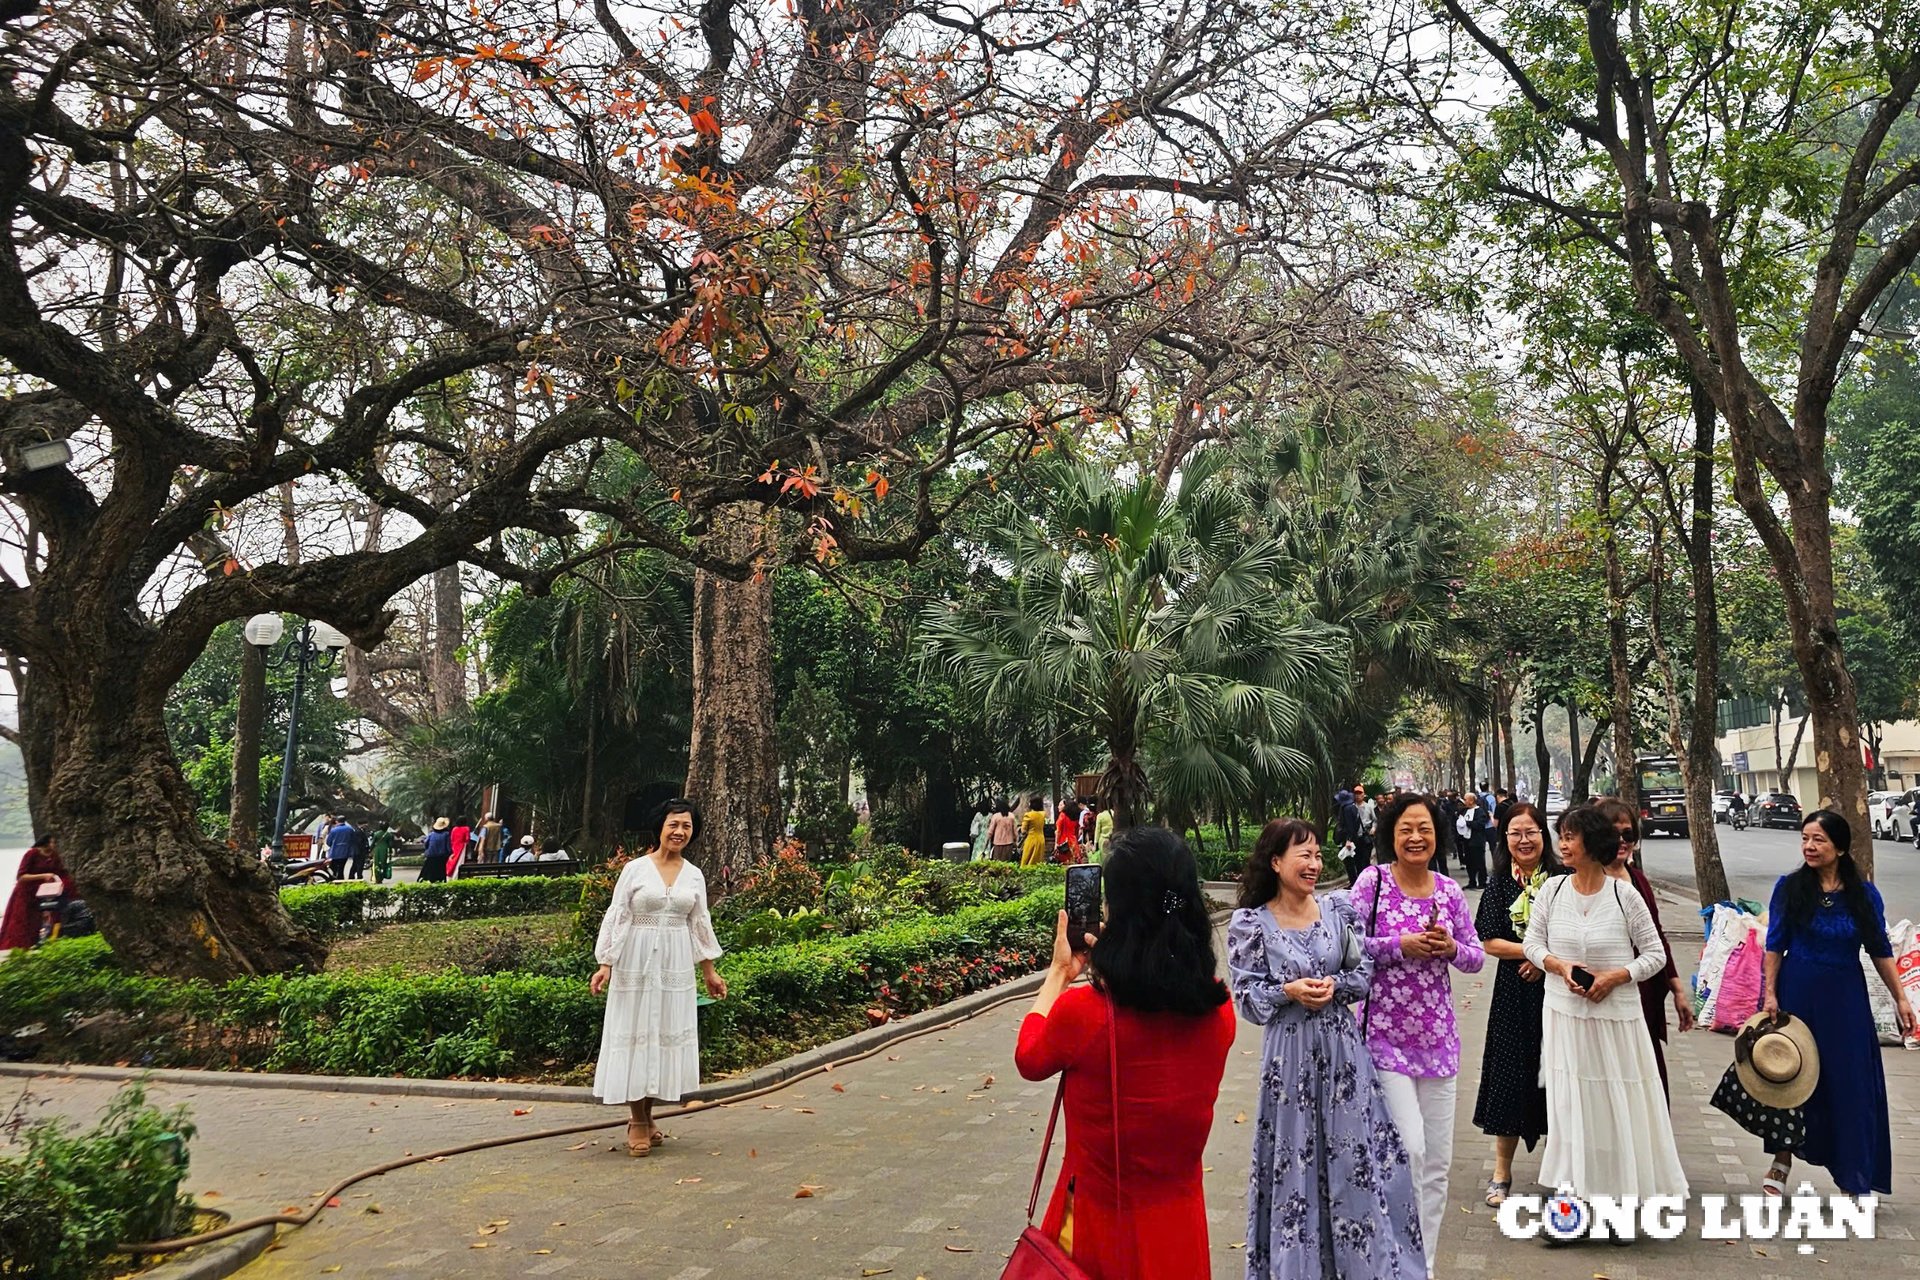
{"x":314,"y":649}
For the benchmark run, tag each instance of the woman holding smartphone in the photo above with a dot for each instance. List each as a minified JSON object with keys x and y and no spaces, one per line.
{"x":1330,"y":1192}
{"x":1608,"y":1132}
{"x":1129,"y":1202}
{"x":1416,"y":928}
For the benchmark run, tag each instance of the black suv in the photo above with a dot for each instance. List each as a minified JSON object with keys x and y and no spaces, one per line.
{"x":1777,"y":809}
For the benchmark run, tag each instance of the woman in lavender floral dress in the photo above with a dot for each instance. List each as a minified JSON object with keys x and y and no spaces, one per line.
{"x":1331,"y":1190}
{"x":1415,"y":927}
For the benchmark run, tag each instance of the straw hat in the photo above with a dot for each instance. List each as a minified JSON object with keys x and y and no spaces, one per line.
{"x":1776,"y":1060}
{"x":440,"y":824}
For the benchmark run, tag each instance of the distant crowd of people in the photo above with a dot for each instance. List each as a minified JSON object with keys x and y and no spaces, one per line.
{"x":484,"y":843}
{"x":1079,"y":832}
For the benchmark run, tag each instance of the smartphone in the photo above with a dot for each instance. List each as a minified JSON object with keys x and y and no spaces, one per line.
{"x":1583,"y":977}
{"x":1083,"y":904}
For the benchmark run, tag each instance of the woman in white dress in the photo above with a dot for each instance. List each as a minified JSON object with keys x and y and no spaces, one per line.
{"x":1608,"y":1131}
{"x":655,"y":932}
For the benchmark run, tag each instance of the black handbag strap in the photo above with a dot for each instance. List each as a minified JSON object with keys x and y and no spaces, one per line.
{"x":1059,"y":1099}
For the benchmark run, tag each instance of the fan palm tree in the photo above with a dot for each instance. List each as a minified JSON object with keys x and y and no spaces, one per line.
{"x":1160,"y":617}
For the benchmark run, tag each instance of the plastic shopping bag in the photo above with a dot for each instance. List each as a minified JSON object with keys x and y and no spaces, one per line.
{"x":1728,"y":928}
{"x":1739,"y":995}
{"x":1886,"y":1025}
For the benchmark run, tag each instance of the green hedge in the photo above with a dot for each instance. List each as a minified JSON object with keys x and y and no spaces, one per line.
{"x":334,"y":909}
{"x":68,"y":1198}
{"x":519,"y":1024}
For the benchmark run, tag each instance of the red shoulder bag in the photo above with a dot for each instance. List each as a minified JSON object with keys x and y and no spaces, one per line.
{"x":1037,"y":1256}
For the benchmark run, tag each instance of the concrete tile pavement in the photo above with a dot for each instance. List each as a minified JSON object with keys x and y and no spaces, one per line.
{"x":914,"y":1163}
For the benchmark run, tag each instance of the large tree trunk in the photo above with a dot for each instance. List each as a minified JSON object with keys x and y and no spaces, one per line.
{"x":1583,"y":770}
{"x":243,"y":810}
{"x":168,"y":899}
{"x":1703,"y":754}
{"x":1583,"y":773}
{"x":1802,"y":558}
{"x":733,"y":765}
{"x":1542,"y":753}
{"x":1512,"y":782}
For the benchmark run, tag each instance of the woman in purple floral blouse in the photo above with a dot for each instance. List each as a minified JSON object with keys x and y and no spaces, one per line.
{"x":1416,"y":925}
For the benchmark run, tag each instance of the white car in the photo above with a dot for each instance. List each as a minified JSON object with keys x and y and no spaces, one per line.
{"x":1556,"y":803}
{"x":1879,"y":806}
{"x":1891,"y":814}
{"x":1723,"y":806}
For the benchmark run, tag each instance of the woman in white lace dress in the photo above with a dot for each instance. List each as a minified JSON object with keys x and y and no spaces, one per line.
{"x":1608,"y":1131}
{"x":655,"y":932}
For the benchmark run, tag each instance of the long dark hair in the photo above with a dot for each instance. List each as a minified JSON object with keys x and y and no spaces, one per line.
{"x":1156,"y":953}
{"x":1389,"y":818}
{"x":1259,"y":882}
{"x":1803,"y":886}
{"x":1503,"y":859}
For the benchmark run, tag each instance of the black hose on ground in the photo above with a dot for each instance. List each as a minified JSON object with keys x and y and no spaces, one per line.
{"x":314,"y":1210}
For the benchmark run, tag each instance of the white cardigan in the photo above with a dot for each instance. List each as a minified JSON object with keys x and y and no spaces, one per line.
{"x":1612,"y":929}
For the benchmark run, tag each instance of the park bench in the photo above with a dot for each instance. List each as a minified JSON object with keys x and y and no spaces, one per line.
{"x":566,"y":867}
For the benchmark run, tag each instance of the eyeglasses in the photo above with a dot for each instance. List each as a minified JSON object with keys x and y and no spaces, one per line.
{"x":1523,"y":833}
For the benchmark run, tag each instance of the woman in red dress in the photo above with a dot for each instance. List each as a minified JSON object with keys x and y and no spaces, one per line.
{"x":1153,"y":963}
{"x":20,"y":927}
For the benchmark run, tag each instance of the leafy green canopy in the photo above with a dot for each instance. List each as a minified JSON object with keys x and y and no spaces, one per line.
{"x":1164,"y":617}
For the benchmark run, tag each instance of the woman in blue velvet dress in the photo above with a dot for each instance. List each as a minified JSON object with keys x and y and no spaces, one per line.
{"x":1330,"y":1193}
{"x":1821,"y":916}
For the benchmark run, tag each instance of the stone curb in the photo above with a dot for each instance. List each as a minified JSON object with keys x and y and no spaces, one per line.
{"x":215,"y":1261}
{"x":506,"y":1091}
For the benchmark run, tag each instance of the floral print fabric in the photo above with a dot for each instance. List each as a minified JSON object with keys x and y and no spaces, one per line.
{"x":1330,"y":1191}
{"x":1408,"y":1013}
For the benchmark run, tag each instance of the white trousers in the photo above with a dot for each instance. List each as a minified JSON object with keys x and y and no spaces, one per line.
{"x":1422,"y":1109}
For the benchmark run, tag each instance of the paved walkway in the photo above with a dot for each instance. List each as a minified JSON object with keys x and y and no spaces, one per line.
{"x":912,"y":1164}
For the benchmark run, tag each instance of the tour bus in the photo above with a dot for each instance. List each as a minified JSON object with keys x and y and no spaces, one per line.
{"x":1663,"y":795}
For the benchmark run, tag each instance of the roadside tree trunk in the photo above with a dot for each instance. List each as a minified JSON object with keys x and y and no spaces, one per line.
{"x":733,"y":763}
{"x":1703,"y":753}
{"x":1583,"y":769}
{"x":1542,"y":753}
{"x":1583,"y":774}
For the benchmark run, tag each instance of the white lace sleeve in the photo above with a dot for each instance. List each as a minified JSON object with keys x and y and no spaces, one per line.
{"x":706,"y":944}
{"x":617,"y":923}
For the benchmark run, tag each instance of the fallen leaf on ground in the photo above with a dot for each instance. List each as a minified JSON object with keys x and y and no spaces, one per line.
{"x":868,"y":1272}
{"x":1241,"y":1245}
{"x":542,"y":1251}
{"x":503,"y":1222}
{"x":770,"y":1106}
{"x":684,"y":1181}
{"x":577,"y":1146}
{"x":959,"y":1248}
{"x":805,"y":1193}
{"x":523,"y":1111}
{"x":838,"y":1087}
{"x":374,"y":1208}
{"x":333,"y":1202}
{"x":327,"y":1271}
{"x":893,"y":1057}
{"x":1241,"y":1118}
{"x":987,"y":1083}
{"x":803,"y":1111}
{"x":479,"y":1244}
{"x":753,"y":1153}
